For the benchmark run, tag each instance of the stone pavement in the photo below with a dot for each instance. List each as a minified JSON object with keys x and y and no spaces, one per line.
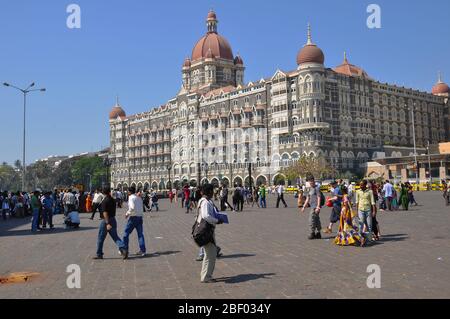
{"x":266,"y":255}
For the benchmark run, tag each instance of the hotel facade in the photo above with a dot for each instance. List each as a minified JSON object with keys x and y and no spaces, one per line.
{"x":222,"y":130}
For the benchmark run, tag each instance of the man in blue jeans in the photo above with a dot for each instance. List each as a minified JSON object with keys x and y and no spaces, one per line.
{"x":135,"y":215}
{"x":35,"y":207}
{"x":365,"y":204}
{"x":108,"y":225}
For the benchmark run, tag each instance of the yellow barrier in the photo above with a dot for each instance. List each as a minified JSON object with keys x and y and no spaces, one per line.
{"x":423,"y":187}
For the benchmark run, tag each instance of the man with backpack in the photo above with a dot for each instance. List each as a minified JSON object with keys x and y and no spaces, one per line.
{"x":238,"y":200}
{"x":315,"y":199}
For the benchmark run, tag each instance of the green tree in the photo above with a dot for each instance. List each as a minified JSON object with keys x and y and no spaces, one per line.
{"x":39,"y":175}
{"x":9,"y":178}
{"x":88,"y":165}
{"x":62,"y":175}
{"x":307,"y":166}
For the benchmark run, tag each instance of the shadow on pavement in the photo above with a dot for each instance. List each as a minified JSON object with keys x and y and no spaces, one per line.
{"x":397,"y":237}
{"x":244,"y":278}
{"x":388,"y":238}
{"x":166,"y":253}
{"x":237,"y":256}
{"x":27,"y":232}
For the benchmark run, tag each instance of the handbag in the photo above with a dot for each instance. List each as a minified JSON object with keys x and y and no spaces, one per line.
{"x":329,"y":202}
{"x":202,"y":232}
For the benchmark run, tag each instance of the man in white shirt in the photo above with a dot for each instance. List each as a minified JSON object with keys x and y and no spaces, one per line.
{"x":96,"y":203}
{"x":388,"y":194}
{"x":135,"y":218}
{"x":207,"y":212}
{"x":69,"y":201}
{"x":280,"y":195}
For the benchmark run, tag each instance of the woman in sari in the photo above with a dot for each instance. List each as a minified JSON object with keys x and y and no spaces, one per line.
{"x":404,"y":197}
{"x":348,"y":234}
{"x":89,"y":203}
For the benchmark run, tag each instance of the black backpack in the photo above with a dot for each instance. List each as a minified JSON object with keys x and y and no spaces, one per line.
{"x":203,"y":232}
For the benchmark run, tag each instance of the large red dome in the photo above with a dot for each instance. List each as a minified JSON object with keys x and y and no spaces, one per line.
{"x":219,"y":46}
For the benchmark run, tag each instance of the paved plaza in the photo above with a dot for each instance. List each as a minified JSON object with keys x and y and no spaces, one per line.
{"x":266,"y":255}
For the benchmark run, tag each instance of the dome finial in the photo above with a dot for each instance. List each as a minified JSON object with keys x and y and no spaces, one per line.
{"x":309,"y":35}
{"x":117,"y":100}
{"x":345,"y":57}
{"x":440,"y":77}
{"x":212,"y":22}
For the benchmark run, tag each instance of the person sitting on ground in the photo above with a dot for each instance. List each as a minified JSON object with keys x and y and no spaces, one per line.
{"x":72,"y":220}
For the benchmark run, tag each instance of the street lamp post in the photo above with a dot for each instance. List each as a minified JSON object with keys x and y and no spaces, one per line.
{"x":415,"y":148}
{"x":90,"y":182}
{"x":107,"y":162}
{"x":205,"y":168}
{"x":25,"y":92}
{"x":429,"y":161}
{"x":169,"y":168}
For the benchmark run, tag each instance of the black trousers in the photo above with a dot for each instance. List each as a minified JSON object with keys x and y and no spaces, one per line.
{"x":223,"y":203}
{"x":281,"y":198}
{"x":95,"y":207}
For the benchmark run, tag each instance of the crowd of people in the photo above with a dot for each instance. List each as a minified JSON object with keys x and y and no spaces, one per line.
{"x":354,"y":210}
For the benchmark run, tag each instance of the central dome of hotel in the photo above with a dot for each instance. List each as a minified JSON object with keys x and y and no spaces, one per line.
{"x":218,"y":46}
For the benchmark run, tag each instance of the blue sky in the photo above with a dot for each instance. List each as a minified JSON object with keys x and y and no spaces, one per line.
{"x":136,"y":48}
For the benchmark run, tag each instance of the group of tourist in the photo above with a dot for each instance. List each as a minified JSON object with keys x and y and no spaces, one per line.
{"x":240,"y":196}
{"x":353,"y":210}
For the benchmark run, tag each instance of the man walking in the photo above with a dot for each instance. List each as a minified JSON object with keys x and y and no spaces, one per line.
{"x":262,"y":196}
{"x":96,"y":203}
{"x":135,"y":215}
{"x":313,"y":198}
{"x":280,"y":194}
{"x":388,"y":194}
{"x":337,"y":205}
{"x":35,"y":207}
{"x":224,"y":198}
{"x":47,"y":209}
{"x":365,"y":203}
{"x":108,"y":225}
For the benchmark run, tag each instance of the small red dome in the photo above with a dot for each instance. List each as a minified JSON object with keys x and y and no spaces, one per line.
{"x":310,"y":53}
{"x":187,"y":63}
{"x":349,"y":69}
{"x":238,"y":60}
{"x":116,"y":112}
{"x":441,"y":88}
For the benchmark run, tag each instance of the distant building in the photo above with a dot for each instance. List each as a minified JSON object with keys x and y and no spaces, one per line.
{"x":53,"y":161}
{"x":340,"y":113}
{"x":433,"y":165}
